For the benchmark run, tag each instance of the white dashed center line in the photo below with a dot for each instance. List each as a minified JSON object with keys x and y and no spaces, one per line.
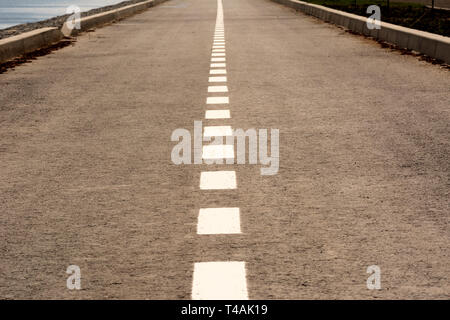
{"x":217,"y":131}
{"x":221,"y":151}
{"x":217,"y":89}
{"x":218,"y":280}
{"x":218,"y":71}
{"x":217,"y":100}
{"x":217,"y":79}
{"x":218,"y":180}
{"x":218,"y":65}
{"x":217,"y":114}
{"x":219,"y":221}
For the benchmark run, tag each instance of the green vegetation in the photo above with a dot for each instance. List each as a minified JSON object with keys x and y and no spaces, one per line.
{"x":411,"y":15}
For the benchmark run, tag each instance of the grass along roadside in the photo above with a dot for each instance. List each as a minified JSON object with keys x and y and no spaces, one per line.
{"x":410,"y":15}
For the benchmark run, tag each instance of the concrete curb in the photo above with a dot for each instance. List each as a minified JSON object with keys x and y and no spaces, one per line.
{"x":42,"y":38}
{"x":433,"y":45}
{"x":28,"y":42}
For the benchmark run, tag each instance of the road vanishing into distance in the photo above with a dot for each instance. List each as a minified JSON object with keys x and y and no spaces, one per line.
{"x":87,"y":176}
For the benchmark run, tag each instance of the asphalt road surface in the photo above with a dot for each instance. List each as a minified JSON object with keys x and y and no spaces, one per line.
{"x":86,"y":176}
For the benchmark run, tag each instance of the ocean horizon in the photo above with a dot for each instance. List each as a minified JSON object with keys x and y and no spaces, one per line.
{"x":15,"y":12}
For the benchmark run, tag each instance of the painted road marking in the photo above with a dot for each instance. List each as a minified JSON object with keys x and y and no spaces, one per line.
{"x":217,"y":114}
{"x":219,"y":221}
{"x":219,"y":281}
{"x":217,"y":89}
{"x":221,"y":151}
{"x":217,"y":131}
{"x":218,"y":71}
{"x":217,"y":100}
{"x":218,"y":180}
{"x":217,"y":79}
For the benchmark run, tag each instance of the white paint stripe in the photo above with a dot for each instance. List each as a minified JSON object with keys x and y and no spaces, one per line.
{"x":217,"y":71}
{"x":217,"y":79}
{"x":222,"y":151}
{"x":219,"y":281}
{"x":217,"y":114}
{"x":217,"y":89}
{"x":218,"y":50}
{"x":217,"y":100}
{"x":218,"y":47}
{"x":218,"y":180}
{"x":219,"y":221}
{"x":218,"y":65}
{"x":217,"y":131}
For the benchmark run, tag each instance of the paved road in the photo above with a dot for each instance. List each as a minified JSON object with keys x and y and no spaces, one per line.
{"x":86,"y":176}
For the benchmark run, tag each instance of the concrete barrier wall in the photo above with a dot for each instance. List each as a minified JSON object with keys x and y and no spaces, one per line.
{"x":27,"y":42}
{"x":433,"y":45}
{"x":90,"y":22}
{"x":42,"y":38}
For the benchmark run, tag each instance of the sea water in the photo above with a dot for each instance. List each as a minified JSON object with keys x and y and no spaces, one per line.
{"x":14,"y":12}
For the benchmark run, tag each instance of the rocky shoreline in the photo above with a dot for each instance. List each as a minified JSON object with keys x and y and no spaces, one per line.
{"x":59,"y":20}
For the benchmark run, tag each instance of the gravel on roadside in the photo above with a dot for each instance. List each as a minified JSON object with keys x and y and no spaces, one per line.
{"x":58,"y":21}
